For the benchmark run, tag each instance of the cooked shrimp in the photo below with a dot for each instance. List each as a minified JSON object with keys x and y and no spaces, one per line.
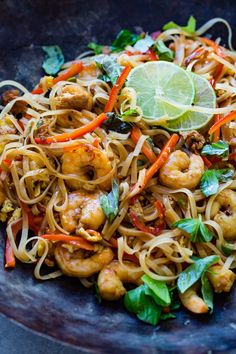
{"x":220,"y":278}
{"x":224,"y":213}
{"x":88,"y":163}
{"x":83,"y":210}
{"x":192,"y":301}
{"x":182,"y":171}
{"x":73,"y":264}
{"x":112,"y":277}
{"x":71,"y":97}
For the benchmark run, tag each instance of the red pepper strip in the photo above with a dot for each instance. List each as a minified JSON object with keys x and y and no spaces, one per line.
{"x":116,"y":89}
{"x":35,"y":221}
{"x":78,"y":241}
{"x":146,"y":149}
{"x":207,"y":162}
{"x":10,"y":260}
{"x":216,"y":136}
{"x":166,"y":309}
{"x":152,"y":55}
{"x":129,"y":53}
{"x":129,"y":257}
{"x":222,"y":121}
{"x":72,"y":71}
{"x":160,"y":209}
{"x":232,"y":156}
{"x":140,"y":226}
{"x":7,"y":162}
{"x":88,"y":128}
{"x":160,"y":160}
{"x":194,"y":55}
{"x":217,"y":49}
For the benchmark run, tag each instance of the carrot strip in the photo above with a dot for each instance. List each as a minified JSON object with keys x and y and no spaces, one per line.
{"x":146,"y":149}
{"x":75,"y":134}
{"x":160,"y":160}
{"x":207,"y":162}
{"x":116,"y":89}
{"x":216,"y":136}
{"x":72,"y":71}
{"x":217,"y":49}
{"x":79,"y":241}
{"x":222,"y":121}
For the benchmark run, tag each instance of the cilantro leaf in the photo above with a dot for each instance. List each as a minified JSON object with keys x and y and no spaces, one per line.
{"x":210,"y":180}
{"x":144,"y":44}
{"x":123,"y":39}
{"x":114,"y":123}
{"x":163,"y":52}
{"x":109,"y":66}
{"x":97,"y":48}
{"x":189,"y":28}
{"x":194,"y":272}
{"x":219,"y":148}
{"x":207,"y":292}
{"x":54,"y":59}
{"x":110,"y":202}
{"x":195,"y":227}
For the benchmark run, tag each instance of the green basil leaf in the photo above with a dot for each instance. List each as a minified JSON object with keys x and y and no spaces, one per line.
{"x":54,"y":59}
{"x":163,"y":52}
{"x":210,"y":180}
{"x":209,"y":183}
{"x":219,"y":148}
{"x":114,"y":123}
{"x":97,"y":292}
{"x":195,"y":227}
{"x":130,"y":112}
{"x":123,"y":39}
{"x":144,"y":44}
{"x":138,"y":302}
{"x":160,"y":290}
{"x":110,"y":202}
{"x":207,"y":292}
{"x":97,"y":48}
{"x":109,"y":67}
{"x":227,"y":248}
{"x":167,"y":316}
{"x":190,"y":28}
{"x":194,"y":272}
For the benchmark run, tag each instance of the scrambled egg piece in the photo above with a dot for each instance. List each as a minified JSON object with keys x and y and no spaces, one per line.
{"x":7,"y":207}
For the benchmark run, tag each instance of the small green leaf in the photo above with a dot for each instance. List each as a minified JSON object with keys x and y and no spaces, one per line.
{"x":227,"y":248}
{"x":110,"y":202}
{"x":190,"y":28}
{"x":114,"y":123}
{"x":163,"y":52}
{"x":54,"y":59}
{"x":97,"y":48}
{"x":130,"y":112}
{"x":194,"y":227}
{"x":109,"y":66}
{"x":160,"y":290}
{"x":167,"y":316}
{"x":144,"y":44}
{"x":210,"y":180}
{"x":123,"y":39}
{"x":207,"y":292}
{"x":194,"y":272}
{"x":98,"y":295}
{"x":219,"y":148}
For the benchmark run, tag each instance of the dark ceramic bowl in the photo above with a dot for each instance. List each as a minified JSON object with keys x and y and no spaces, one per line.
{"x":61,"y":308}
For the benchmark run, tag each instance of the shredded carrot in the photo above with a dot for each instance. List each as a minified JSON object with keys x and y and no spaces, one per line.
{"x":116,"y":89}
{"x":217,"y":49}
{"x":78,"y":241}
{"x":88,"y":128}
{"x":146,"y":149}
{"x":160,"y":160}
{"x":72,"y":71}
{"x":216,"y":136}
{"x":222,"y":121}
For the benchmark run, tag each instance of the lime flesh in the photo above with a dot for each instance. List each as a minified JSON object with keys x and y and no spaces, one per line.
{"x":156,"y":80}
{"x":204,"y":97}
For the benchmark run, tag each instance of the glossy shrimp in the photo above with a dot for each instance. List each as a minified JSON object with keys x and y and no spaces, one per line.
{"x":74,"y":263}
{"x":112,"y":277}
{"x":88,"y":163}
{"x":220,"y":278}
{"x":83,"y":210}
{"x":182,"y":171}
{"x":224,"y":213}
{"x":192,"y":301}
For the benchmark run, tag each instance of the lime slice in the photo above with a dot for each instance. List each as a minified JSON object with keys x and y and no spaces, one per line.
{"x":204,"y":97}
{"x":155,"y":80}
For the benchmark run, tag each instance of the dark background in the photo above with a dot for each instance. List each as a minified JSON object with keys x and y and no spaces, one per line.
{"x":61,"y":308}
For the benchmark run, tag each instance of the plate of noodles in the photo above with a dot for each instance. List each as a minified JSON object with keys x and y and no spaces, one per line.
{"x":118,"y":191}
